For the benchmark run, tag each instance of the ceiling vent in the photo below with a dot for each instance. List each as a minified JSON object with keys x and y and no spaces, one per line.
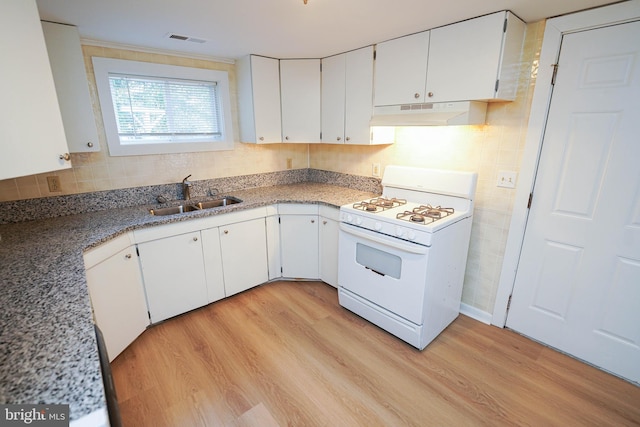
{"x":184,"y":38}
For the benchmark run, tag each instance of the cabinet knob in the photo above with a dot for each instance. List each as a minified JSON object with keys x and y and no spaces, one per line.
{"x":338,"y":139}
{"x":90,"y":144}
{"x":430,"y":94}
{"x":313,"y":221}
{"x":348,"y":138}
{"x":324,"y":222}
{"x":416,"y":95}
{"x":261,"y":138}
{"x":226,"y":231}
{"x":128,"y":256}
{"x":286,"y":138}
{"x":65,"y":157}
{"x":195,"y":239}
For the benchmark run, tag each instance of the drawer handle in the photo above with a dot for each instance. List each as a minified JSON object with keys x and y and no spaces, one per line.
{"x":226,"y":231}
{"x":195,"y":239}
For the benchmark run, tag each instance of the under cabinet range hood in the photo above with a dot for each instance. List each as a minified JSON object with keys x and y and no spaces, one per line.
{"x":430,"y":114}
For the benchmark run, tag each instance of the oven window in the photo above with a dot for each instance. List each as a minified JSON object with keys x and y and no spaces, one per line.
{"x":380,"y":262}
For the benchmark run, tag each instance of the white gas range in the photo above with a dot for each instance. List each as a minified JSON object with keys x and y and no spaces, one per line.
{"x":402,"y":256}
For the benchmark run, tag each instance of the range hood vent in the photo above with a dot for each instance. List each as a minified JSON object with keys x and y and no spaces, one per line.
{"x":431,"y":114}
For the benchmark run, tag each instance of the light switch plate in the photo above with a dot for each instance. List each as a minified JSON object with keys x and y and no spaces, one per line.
{"x":507,"y":179}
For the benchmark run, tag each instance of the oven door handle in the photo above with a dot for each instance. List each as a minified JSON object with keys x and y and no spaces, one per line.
{"x":383,"y":240}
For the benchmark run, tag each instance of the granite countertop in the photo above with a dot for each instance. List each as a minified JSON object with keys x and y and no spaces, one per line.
{"x":48,"y":351}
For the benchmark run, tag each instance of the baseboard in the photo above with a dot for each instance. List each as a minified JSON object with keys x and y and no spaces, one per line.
{"x":476,"y":313}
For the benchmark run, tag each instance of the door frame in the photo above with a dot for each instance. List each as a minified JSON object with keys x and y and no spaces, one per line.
{"x":555,"y":29}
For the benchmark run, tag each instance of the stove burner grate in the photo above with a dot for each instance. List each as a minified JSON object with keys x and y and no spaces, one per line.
{"x":425,"y":214}
{"x":379,"y":204}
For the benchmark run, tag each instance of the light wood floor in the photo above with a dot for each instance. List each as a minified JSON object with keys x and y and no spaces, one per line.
{"x":286,"y":354}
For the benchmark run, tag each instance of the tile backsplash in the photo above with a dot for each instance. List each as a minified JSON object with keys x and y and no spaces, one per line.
{"x":487,"y":149}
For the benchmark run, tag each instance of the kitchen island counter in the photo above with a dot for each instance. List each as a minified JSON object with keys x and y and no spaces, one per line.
{"x":48,"y":351}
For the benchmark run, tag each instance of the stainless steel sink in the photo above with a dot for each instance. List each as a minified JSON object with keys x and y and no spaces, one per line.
{"x":210,"y":204}
{"x":222,"y":201}
{"x":171,"y":210}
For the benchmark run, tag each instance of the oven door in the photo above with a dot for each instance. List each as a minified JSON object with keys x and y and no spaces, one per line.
{"x":384,"y":270}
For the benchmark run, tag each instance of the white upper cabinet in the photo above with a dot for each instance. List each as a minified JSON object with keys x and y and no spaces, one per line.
{"x":347,"y":98}
{"x":473,"y":60}
{"x":359,"y":97}
{"x":259,"y":99}
{"x":401,"y":70}
{"x":333,"y":98}
{"x":32,"y":138}
{"x":470,"y":59}
{"x":300,"y":96}
{"x":70,"y":78}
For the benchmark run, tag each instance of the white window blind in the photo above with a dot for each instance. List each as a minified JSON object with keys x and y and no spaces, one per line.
{"x":150,"y":108}
{"x":159,"y":110}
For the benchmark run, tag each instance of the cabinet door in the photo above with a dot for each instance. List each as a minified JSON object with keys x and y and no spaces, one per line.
{"x":174,"y":277}
{"x":401,"y":70}
{"x":358,"y":96}
{"x":259,"y":99}
{"x":273,"y":247}
{"x":299,"y":246}
{"x":117,"y":298}
{"x":70,"y":78}
{"x":464,"y":59}
{"x":328,"y":244}
{"x":244,"y":255}
{"x":213,"y":264}
{"x":300,"y":96}
{"x":32,"y":137}
{"x":333,"y":99}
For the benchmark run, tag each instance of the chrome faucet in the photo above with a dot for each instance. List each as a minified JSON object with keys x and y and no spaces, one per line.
{"x":186,"y":188}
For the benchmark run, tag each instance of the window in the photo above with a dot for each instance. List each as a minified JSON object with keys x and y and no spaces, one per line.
{"x":154,"y":108}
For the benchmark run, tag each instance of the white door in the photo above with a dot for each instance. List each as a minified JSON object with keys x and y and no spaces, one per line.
{"x":578,"y":282}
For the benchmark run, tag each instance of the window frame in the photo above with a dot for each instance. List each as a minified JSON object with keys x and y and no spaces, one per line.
{"x":102,"y":67}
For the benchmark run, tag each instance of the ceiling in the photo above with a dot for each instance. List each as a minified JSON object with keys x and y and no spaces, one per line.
{"x":277,"y":28}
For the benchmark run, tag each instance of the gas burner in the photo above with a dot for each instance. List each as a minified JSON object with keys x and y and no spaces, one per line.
{"x":388,"y":203}
{"x":425,"y":214}
{"x":416,"y":218}
{"x":378,"y":204}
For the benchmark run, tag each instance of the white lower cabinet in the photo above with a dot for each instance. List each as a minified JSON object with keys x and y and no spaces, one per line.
{"x":299,"y":241}
{"x":117,"y":294}
{"x":189,"y":264}
{"x":328,"y":245}
{"x":243,"y":250}
{"x":174,"y":275}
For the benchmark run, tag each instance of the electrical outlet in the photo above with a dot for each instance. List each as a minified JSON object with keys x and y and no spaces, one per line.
{"x":54,"y":184}
{"x":507,"y":179}
{"x":375,"y":169}
{"x":289,"y":163}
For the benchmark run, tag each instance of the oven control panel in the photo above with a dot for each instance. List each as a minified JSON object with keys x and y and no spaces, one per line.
{"x":388,"y":228}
